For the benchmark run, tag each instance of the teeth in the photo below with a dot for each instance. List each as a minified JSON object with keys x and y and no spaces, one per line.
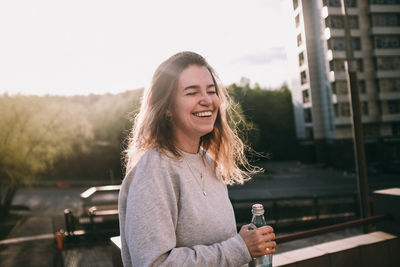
{"x":203,"y":114}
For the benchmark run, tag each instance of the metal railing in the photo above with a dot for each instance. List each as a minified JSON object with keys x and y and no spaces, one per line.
{"x":304,"y":208}
{"x":331,"y":228}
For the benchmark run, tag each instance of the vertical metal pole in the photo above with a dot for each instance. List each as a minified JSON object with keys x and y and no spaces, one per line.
{"x":357,"y":127}
{"x":67,"y":214}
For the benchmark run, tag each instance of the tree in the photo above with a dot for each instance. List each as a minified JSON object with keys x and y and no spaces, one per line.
{"x":35,"y":131}
{"x":110,"y":117}
{"x":272,"y":112}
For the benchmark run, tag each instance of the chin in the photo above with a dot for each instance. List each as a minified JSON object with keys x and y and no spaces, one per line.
{"x":205,"y":132}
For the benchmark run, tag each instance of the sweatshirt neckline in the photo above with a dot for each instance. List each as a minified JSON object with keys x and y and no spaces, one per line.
{"x":192,"y":157}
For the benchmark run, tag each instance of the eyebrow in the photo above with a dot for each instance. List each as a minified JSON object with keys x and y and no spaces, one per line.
{"x":198,"y":87}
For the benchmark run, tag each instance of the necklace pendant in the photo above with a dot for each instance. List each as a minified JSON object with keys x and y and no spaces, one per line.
{"x":204,"y":193}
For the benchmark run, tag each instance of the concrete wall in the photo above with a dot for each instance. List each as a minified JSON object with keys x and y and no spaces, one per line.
{"x":368,"y":250}
{"x":387,"y":201}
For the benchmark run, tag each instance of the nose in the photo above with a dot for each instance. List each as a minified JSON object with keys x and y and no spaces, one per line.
{"x":205,"y":99}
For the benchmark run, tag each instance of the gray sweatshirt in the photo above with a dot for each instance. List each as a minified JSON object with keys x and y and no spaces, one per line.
{"x":165,"y":219}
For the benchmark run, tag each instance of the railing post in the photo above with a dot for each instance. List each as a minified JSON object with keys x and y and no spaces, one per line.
{"x":69,"y":224}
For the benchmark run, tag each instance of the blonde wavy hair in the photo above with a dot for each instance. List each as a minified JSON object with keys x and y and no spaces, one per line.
{"x":152,"y":128}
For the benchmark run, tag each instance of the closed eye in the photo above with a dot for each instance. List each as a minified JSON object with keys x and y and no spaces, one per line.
{"x":211,"y":89}
{"x":191,"y":93}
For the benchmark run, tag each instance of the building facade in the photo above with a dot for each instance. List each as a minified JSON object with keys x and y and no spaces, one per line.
{"x":319,"y":81}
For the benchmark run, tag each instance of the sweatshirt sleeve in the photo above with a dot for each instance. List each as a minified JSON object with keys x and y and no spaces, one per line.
{"x":150,"y":222}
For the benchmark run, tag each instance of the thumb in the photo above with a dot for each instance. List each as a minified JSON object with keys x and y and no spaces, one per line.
{"x":245,"y":227}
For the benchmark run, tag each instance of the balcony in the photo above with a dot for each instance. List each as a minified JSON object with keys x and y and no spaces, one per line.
{"x":385,"y":30}
{"x":343,"y":98}
{"x":357,"y":54}
{"x":386,"y":52}
{"x":377,"y":248}
{"x":340,"y":32}
{"x":373,"y":8}
{"x":347,"y":120}
{"x":343,"y":120}
{"x":390,"y":117}
{"x":334,"y":98}
{"x":388,"y":95}
{"x":329,"y":10}
{"x":338,"y":75}
{"x":341,"y":76}
{"x":387,"y":74}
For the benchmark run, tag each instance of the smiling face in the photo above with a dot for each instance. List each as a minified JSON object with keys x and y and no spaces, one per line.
{"x":194,"y":108}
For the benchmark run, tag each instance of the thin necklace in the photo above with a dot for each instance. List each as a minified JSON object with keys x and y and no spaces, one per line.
{"x":202,"y":185}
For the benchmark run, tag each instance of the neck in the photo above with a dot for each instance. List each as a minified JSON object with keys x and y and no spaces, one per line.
{"x":189,"y":148}
{"x":188,"y":144}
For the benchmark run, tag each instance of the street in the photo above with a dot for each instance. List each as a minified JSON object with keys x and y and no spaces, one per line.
{"x":290,"y":179}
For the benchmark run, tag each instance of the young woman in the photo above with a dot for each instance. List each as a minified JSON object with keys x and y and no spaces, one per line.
{"x":173,"y":205}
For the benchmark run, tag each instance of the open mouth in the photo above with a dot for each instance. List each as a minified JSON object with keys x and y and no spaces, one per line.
{"x":203,"y":114}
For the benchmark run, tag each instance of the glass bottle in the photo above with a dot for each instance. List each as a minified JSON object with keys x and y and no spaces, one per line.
{"x":257,"y":221}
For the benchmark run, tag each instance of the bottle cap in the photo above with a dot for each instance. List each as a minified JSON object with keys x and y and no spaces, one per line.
{"x":257,"y":209}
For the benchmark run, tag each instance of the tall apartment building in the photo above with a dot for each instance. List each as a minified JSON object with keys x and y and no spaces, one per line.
{"x":319,"y":84}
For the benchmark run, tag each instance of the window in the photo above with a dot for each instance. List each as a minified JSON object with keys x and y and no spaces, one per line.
{"x":309,"y":133}
{"x":356,"y":42}
{"x":339,"y":43}
{"x":297,"y":19}
{"x":359,"y":65}
{"x":394,"y":106}
{"x":389,"y":85}
{"x":299,"y":40}
{"x":353,"y":22}
{"x":337,"y":65}
{"x":344,"y":109}
{"x":388,"y":63}
{"x":364,"y":108}
{"x":303,"y":77}
{"x":396,"y":129}
{"x":362,"y":87}
{"x":385,"y":2}
{"x":295,"y":4}
{"x":341,"y":87}
{"x":386,"y":19}
{"x":371,"y":130}
{"x":301,"y":58}
{"x":337,"y":22}
{"x":306,"y":96}
{"x":336,"y":3}
{"x":350,"y":3}
{"x":387,"y":41}
{"x":333,"y":86}
{"x":336,"y":110}
{"x":307,"y":115}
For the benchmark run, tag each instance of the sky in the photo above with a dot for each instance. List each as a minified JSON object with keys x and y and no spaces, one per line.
{"x":94,"y":46}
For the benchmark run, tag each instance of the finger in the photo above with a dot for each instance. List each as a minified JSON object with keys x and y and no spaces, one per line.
{"x":245,"y":226}
{"x":271,"y":245}
{"x":271,"y":236}
{"x":262,"y":250}
{"x":267,"y":237}
{"x":266,"y":229}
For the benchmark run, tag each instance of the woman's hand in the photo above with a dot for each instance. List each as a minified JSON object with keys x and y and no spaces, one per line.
{"x":259,"y":241}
